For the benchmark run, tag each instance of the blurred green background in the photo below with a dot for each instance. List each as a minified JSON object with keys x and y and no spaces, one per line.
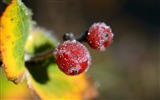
{"x":129,"y":68}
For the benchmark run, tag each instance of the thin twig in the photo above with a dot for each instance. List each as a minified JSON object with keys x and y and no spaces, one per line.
{"x":38,"y":57}
{"x":82,"y":37}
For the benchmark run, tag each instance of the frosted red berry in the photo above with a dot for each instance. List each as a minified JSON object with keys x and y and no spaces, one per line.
{"x":99,"y":36}
{"x":72,"y":57}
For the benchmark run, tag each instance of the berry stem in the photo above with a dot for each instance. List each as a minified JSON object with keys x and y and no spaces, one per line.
{"x":68,"y":36}
{"x":80,"y":38}
{"x":38,"y":57}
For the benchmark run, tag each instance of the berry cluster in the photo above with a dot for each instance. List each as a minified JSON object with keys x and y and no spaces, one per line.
{"x":72,"y":57}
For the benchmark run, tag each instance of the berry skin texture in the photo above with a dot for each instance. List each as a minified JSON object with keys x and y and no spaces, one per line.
{"x":99,"y":36}
{"x":72,"y":57}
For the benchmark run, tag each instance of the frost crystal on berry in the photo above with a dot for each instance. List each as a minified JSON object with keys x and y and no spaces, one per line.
{"x":72,"y":57}
{"x":99,"y":36}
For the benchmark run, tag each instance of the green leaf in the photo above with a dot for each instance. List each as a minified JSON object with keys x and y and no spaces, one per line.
{"x":14,"y":29}
{"x":48,"y":81}
{"x":39,"y":42}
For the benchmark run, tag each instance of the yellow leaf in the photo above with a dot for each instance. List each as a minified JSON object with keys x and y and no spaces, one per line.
{"x":50,"y":83}
{"x":7,"y":89}
{"x":14,"y":29}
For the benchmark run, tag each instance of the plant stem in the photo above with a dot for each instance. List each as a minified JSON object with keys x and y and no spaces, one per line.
{"x":80,"y":38}
{"x":38,"y":57}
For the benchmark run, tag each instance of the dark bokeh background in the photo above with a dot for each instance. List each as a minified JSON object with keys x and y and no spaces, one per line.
{"x":129,"y":68}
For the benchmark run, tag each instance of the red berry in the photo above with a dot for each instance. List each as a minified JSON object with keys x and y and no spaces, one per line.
{"x":99,"y":36}
{"x":72,"y":57}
